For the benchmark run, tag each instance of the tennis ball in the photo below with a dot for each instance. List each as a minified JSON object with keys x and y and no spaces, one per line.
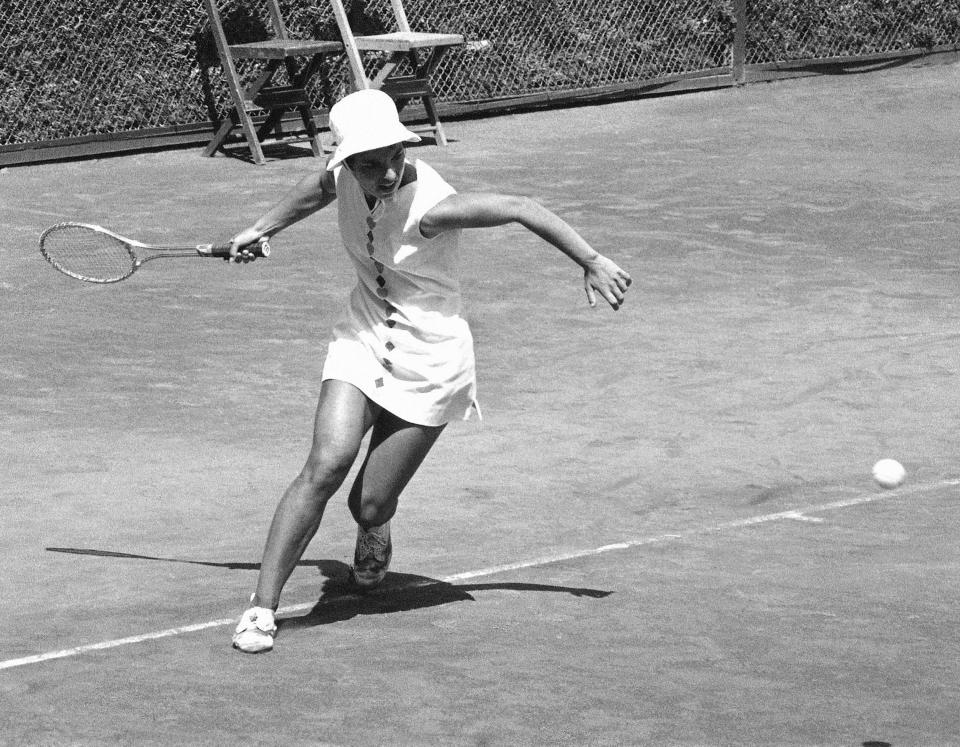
{"x":889,"y":473}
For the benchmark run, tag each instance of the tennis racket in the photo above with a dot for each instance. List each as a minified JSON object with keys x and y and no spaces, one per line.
{"x":96,"y":255}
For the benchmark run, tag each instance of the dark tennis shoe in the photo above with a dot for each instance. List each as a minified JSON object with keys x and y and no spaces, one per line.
{"x":371,"y":558}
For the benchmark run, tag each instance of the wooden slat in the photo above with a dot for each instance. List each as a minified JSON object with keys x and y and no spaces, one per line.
{"x":407,"y":86}
{"x":402,"y":41}
{"x":281,"y":49}
{"x":285,"y":97}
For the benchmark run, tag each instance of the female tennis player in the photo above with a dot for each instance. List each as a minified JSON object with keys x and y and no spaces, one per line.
{"x":401,"y":363}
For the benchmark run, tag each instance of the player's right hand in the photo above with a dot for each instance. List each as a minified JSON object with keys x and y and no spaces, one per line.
{"x":241,"y":243}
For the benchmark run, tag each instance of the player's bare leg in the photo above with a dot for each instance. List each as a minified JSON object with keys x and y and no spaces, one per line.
{"x":343,"y":417}
{"x":397,"y":449}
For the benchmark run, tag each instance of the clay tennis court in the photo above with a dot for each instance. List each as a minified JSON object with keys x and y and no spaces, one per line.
{"x":664,"y":532}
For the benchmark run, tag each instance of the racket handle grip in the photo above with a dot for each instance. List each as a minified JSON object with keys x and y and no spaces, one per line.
{"x":260,"y":249}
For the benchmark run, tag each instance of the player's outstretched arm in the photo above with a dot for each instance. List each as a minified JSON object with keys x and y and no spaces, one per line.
{"x":479,"y":210}
{"x":309,"y":195}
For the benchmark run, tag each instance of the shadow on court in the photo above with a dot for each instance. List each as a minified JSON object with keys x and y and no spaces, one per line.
{"x":402,"y":592}
{"x":341,"y":600}
{"x":136,"y":556}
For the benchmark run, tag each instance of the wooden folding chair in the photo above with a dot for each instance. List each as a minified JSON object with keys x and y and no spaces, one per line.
{"x":422,"y":51}
{"x":299,"y":58}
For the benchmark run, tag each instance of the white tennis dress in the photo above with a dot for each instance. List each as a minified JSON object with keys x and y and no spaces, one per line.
{"x":403,"y":342}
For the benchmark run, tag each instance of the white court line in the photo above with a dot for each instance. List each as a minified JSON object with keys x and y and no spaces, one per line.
{"x":792,"y":514}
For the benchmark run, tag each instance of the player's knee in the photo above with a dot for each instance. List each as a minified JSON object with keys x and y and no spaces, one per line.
{"x":326,"y":470}
{"x":370,"y":512}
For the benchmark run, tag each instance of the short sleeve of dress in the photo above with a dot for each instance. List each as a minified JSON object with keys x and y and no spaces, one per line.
{"x":433,"y":190}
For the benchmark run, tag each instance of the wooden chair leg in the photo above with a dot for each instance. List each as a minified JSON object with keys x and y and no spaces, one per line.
{"x":425,"y":71}
{"x":253,"y":141}
{"x":302,"y":78}
{"x":239,"y":97}
{"x":306,"y":114}
{"x":217,"y":140}
{"x":434,"y":120}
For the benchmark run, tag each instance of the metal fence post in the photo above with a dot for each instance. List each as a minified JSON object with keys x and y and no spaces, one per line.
{"x":739,"y":40}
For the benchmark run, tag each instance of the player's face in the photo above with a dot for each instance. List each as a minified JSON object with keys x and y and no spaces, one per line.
{"x":380,"y":171}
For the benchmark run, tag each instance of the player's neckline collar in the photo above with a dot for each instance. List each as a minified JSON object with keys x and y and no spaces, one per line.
{"x":375,"y":212}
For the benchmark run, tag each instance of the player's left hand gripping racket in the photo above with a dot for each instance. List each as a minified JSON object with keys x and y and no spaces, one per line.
{"x":96,"y":255}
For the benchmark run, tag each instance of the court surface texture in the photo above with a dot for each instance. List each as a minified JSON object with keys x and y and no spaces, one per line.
{"x":663,"y":532}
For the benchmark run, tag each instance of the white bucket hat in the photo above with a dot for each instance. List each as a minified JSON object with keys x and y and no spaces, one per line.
{"x":366,"y":120}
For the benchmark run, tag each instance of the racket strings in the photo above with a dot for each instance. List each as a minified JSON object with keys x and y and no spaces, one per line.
{"x":88,"y":254}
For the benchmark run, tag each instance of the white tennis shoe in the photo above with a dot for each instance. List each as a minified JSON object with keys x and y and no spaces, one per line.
{"x":371,"y":557}
{"x":256,"y":630}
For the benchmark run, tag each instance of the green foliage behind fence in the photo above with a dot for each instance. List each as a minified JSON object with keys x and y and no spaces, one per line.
{"x":816,"y":29}
{"x":75,"y":68}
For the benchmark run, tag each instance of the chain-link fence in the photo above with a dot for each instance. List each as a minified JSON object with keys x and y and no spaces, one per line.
{"x":819,"y":29}
{"x":85,"y":68}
